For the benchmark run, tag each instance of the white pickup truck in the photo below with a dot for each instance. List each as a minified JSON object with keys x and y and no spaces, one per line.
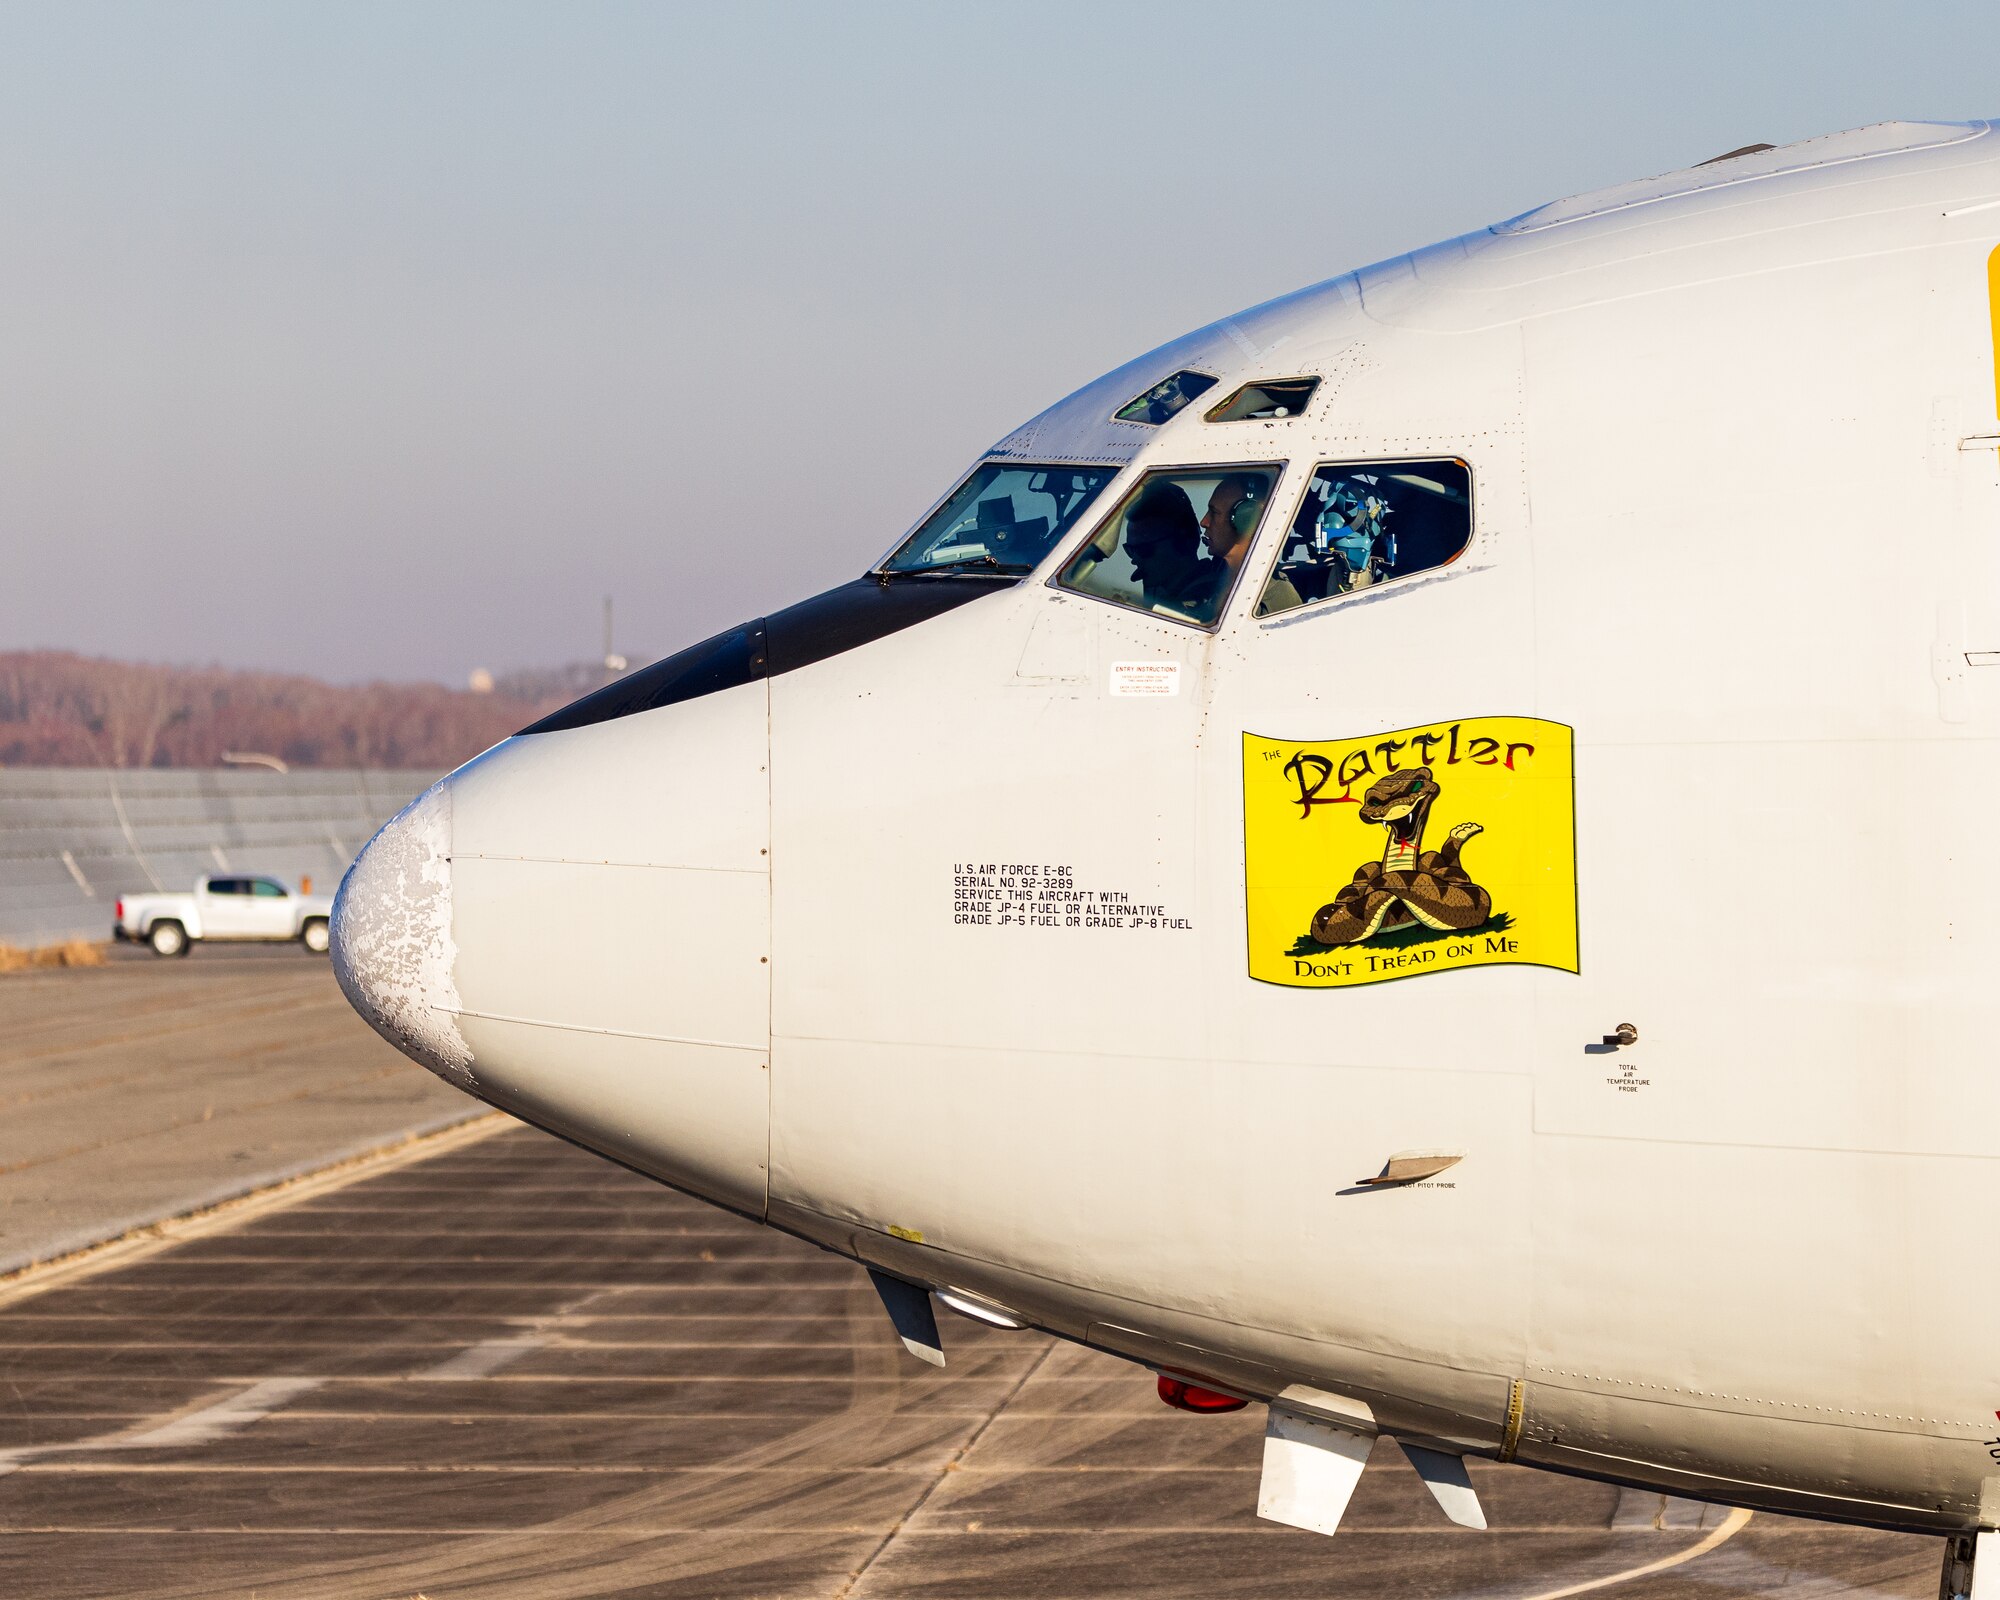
{"x":224,"y":908}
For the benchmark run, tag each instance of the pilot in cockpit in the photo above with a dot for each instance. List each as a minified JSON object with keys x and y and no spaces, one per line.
{"x":1163,"y":542}
{"x":1233,"y":510}
{"x":1225,"y":527}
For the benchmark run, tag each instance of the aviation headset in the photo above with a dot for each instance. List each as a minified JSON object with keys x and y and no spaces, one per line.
{"x":1243,"y":515}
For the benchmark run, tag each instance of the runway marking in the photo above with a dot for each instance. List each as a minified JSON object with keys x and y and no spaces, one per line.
{"x":487,"y":1357}
{"x":1732,"y":1525}
{"x":229,"y":1413}
{"x":204,"y":1424}
{"x":730,"y":1512}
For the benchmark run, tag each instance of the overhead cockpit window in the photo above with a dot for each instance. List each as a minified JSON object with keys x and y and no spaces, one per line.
{"x":1269,"y":401}
{"x":1004,"y":518}
{"x":1176,"y":543}
{"x":1167,"y":397}
{"x":1369,"y":523}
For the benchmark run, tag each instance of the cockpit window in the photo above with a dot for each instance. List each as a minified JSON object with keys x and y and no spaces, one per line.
{"x":1004,"y":518}
{"x":1166,"y":397}
{"x":1269,"y":401}
{"x":1176,"y":543}
{"x":1369,"y":523}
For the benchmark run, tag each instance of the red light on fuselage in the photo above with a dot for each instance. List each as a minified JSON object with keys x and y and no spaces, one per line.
{"x":1185,"y":1396}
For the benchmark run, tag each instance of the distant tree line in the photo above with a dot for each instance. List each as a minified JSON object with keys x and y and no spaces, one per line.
{"x":60,"y":710}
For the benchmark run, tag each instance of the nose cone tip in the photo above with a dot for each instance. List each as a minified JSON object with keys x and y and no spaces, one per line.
{"x":392,"y":945}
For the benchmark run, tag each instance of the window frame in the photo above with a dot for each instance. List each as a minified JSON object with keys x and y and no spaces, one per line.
{"x":1311,"y":469}
{"x":1214,"y":381}
{"x":1281,"y":465}
{"x":1316,"y":379}
{"x":882,"y":570}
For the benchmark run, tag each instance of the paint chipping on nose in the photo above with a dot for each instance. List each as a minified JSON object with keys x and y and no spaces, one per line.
{"x":392,"y":946}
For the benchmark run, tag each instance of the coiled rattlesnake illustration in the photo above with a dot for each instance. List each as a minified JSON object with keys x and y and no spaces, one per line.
{"x":1409,"y":884}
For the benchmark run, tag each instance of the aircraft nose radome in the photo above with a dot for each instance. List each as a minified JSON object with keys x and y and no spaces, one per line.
{"x":392,"y":942}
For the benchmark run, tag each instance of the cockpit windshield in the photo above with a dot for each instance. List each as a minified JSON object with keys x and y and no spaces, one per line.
{"x":1004,"y":518}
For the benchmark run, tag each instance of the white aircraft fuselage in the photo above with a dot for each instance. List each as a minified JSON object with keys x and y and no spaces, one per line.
{"x":1042,"y":942}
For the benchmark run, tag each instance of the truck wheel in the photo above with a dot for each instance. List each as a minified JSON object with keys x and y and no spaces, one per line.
{"x":314,"y":935}
{"x":168,"y":939}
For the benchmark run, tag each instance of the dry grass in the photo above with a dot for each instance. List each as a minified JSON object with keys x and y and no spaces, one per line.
{"x":71,"y":953}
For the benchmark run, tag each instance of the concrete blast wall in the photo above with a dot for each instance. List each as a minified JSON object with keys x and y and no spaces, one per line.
{"x":73,"y":839}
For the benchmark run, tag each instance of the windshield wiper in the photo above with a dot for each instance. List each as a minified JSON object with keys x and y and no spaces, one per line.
{"x":981,"y":566}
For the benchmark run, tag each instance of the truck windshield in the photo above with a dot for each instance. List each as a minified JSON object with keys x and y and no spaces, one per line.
{"x":1004,"y":518}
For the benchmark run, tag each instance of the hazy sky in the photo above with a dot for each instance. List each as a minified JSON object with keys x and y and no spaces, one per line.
{"x":385,"y":339}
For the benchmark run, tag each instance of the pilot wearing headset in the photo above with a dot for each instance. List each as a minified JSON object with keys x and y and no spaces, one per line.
{"x":1232,"y":514}
{"x":1234,"y":506}
{"x":1163,"y":542}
